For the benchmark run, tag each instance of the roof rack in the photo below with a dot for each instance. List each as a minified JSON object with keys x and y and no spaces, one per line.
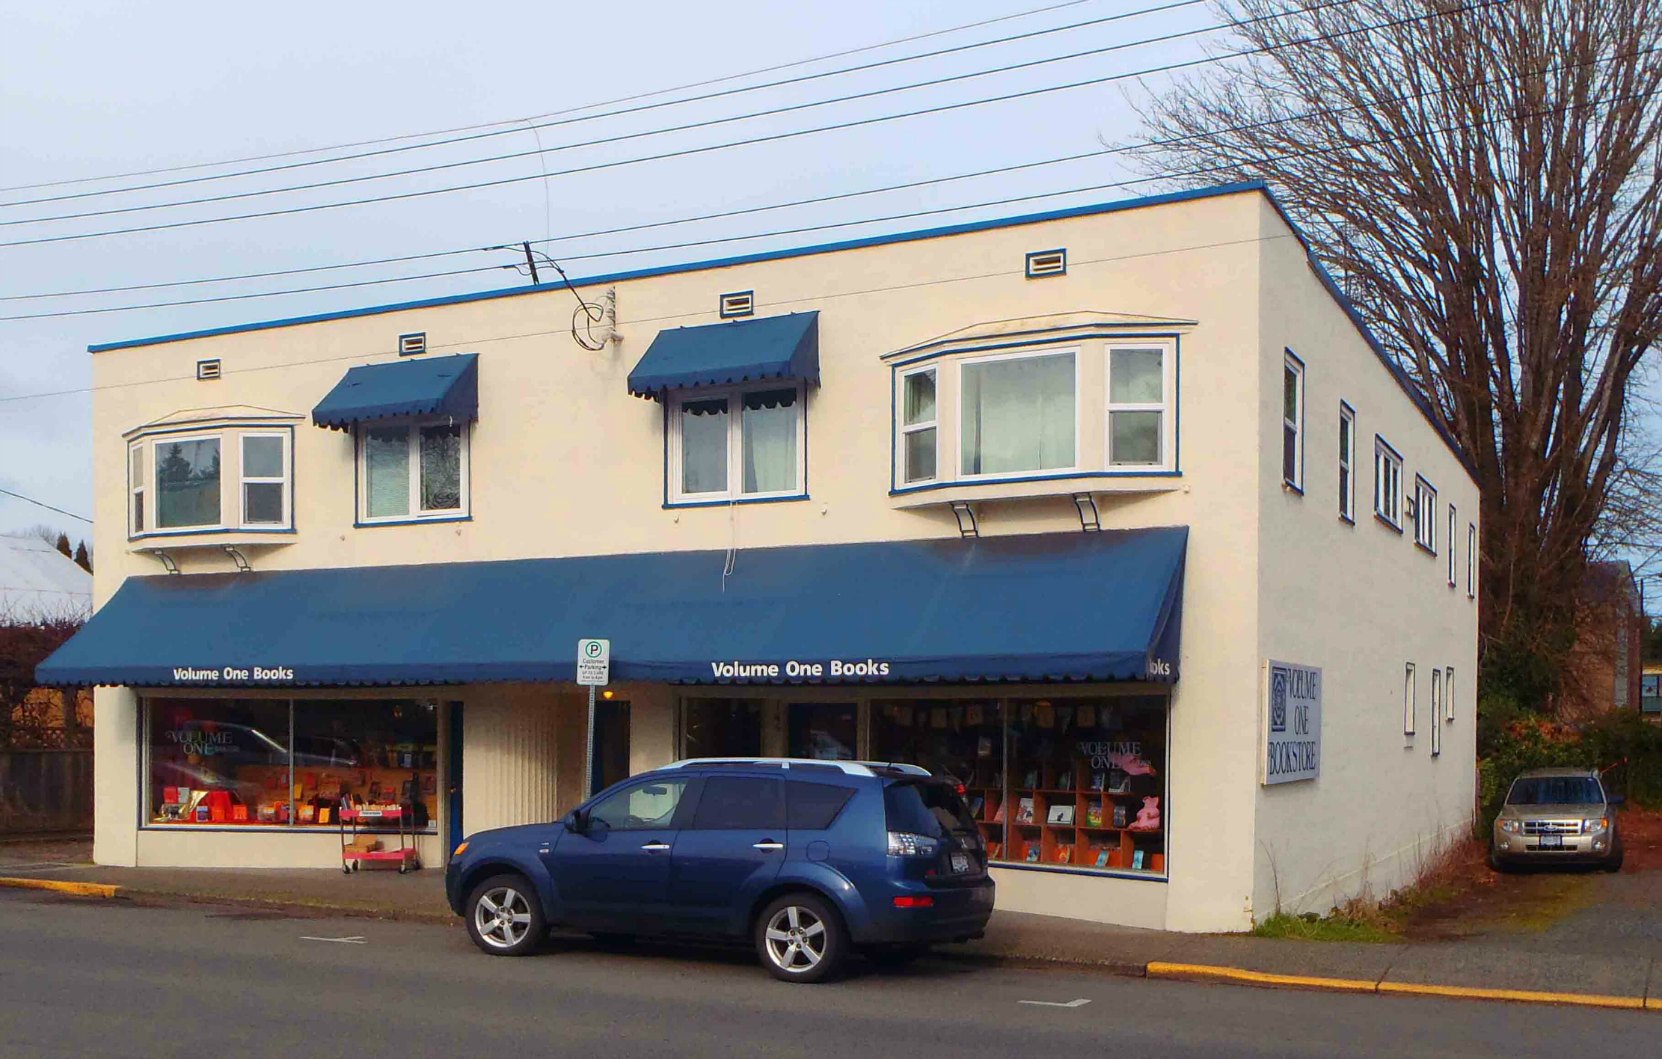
{"x":850,"y":768}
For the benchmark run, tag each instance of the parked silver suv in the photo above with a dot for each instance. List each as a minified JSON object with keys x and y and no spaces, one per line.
{"x":1557,"y":816}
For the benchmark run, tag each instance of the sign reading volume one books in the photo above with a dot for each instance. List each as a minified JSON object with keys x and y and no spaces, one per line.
{"x":1293,"y":727}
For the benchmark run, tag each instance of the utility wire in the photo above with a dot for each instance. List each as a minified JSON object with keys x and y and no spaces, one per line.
{"x":554,"y":113}
{"x":49,"y":507}
{"x":534,"y":125}
{"x":878,"y":119}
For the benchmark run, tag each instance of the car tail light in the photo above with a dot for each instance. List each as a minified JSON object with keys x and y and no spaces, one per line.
{"x":914,"y":901}
{"x":903,"y":844}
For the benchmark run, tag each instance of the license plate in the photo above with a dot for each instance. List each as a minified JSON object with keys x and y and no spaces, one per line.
{"x":1552,"y":842}
{"x":960,"y":863}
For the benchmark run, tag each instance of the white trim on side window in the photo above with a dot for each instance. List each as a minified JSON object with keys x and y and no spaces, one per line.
{"x":1471,"y":560}
{"x":1347,"y":463}
{"x":1453,"y":555}
{"x":1165,"y":407}
{"x":1387,"y":483}
{"x":904,"y":430}
{"x":1408,"y":701}
{"x":413,"y":510}
{"x":733,"y":489}
{"x":1291,"y":434}
{"x":1436,"y":712}
{"x":1425,"y":514}
{"x":284,"y":480}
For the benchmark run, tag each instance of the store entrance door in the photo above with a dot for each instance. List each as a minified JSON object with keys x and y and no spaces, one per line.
{"x":453,"y":781}
{"x":611,"y":744}
{"x":827,"y":731}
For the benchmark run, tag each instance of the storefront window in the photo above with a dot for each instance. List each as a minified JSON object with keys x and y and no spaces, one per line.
{"x":826,"y":731}
{"x":270,"y":762}
{"x":1076,"y":783}
{"x":721,"y":728}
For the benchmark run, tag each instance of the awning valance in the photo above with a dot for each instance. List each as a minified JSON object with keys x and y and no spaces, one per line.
{"x":1047,"y":607}
{"x":426,"y":386}
{"x":771,"y":347}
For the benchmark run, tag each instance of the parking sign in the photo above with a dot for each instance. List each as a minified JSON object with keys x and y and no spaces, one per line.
{"x":594,"y":663}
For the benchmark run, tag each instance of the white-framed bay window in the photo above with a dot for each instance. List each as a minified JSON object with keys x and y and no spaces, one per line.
{"x":1141,"y":428}
{"x":919,"y":426}
{"x":221,"y":478}
{"x":1018,"y":414}
{"x":738,"y":444}
{"x":412,"y":470}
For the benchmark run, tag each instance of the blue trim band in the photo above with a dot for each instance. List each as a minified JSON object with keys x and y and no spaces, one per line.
{"x":412,"y":522}
{"x":668,"y":505}
{"x":969,"y":483}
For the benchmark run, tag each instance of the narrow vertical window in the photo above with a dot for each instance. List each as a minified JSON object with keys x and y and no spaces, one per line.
{"x":1471,"y":560}
{"x":1425,"y":515}
{"x":135,"y":483}
{"x":1448,"y":695}
{"x":1137,"y":407}
{"x":1347,"y":462}
{"x":386,"y":472}
{"x":1408,"y":700}
{"x":1436,"y":712}
{"x":1292,"y":422}
{"x":767,"y":441}
{"x":1453,"y":528}
{"x":919,"y":422}
{"x":1387,"y":483}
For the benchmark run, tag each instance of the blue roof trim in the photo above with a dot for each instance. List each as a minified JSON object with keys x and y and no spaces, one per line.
{"x":1025,"y":608}
{"x":696,"y":266}
{"x":430,"y":386}
{"x":734,"y":351}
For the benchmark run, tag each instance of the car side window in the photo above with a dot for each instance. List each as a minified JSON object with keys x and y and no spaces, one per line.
{"x":644,"y":807}
{"x":813,"y":806}
{"x":740,"y":803}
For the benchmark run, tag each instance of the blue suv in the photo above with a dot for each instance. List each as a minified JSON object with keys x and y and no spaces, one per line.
{"x":809,"y":859}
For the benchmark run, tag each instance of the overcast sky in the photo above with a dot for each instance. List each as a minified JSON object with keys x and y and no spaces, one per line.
{"x":94,"y":88}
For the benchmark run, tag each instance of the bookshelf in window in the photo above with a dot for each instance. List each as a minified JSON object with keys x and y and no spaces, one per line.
{"x":1065,"y":814}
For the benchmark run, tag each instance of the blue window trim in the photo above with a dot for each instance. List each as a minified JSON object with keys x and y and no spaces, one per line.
{"x":435,"y":520}
{"x":793,"y":498}
{"x":210,"y":425}
{"x":1303,"y":403}
{"x":924,"y":487}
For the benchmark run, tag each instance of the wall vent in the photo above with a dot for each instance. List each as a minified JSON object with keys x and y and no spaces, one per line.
{"x":207,"y":369}
{"x":1042,"y":263}
{"x":739,"y":303}
{"x":411,"y":344}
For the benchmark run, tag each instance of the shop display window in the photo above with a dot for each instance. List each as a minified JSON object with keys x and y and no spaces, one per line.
{"x":1074,"y":783}
{"x":825,"y":731}
{"x":276,"y":763}
{"x":721,"y":728}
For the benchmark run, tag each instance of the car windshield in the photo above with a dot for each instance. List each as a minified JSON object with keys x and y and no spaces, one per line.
{"x":1555,"y":790}
{"x":932,"y":809}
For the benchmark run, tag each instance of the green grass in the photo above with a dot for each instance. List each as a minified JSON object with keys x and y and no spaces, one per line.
{"x":1322,"y":928}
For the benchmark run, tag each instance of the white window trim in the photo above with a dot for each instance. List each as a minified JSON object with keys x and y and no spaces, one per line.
{"x":734,"y":395}
{"x":137,"y":489}
{"x":1387,"y":468}
{"x":154,"y":507}
{"x":958,"y":439}
{"x":1408,"y":704}
{"x":1448,"y":696}
{"x":1166,"y":406}
{"x":1471,"y":560}
{"x":1425,"y":514}
{"x":904,"y":429}
{"x":286,"y":480}
{"x":1436,"y":712}
{"x":412,"y":453}
{"x":1290,"y":362}
{"x":1453,"y":555}
{"x":1347,"y":461}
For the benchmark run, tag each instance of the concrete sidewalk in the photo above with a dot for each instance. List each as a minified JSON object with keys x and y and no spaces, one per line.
{"x":1483,"y":968}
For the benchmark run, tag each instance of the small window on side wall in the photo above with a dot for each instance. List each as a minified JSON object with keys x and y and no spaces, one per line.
{"x":1453,"y":528}
{"x":412,"y":471}
{"x":1408,"y":700}
{"x":1436,"y":712}
{"x":1387,"y":484}
{"x":1448,"y":695}
{"x":1347,"y":463}
{"x":1471,"y":560}
{"x":1425,"y":515}
{"x":1292,"y":422}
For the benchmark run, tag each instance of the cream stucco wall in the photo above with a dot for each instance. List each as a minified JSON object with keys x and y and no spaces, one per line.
{"x":565,"y":462}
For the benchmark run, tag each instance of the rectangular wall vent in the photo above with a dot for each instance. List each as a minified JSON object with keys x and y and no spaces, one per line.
{"x":739,"y":303}
{"x":207,"y":369}
{"x":411,"y":344}
{"x":1047,"y":263}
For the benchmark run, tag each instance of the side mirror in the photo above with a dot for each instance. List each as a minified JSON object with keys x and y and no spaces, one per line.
{"x":577,"y":822}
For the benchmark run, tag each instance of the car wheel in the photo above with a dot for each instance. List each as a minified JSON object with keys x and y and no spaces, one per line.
{"x":800,"y":938}
{"x":504,"y":916}
{"x":1614,"y":862}
{"x":894,"y":957}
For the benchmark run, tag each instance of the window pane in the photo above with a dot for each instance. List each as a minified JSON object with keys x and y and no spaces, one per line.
{"x":1289,"y":394}
{"x":138,"y":513}
{"x":441,"y":468}
{"x":387,"y":471}
{"x":650,"y":806}
{"x":721,"y":728}
{"x":732,"y":803}
{"x":137,"y":481}
{"x":920,"y":455}
{"x":1135,"y":376}
{"x":1289,"y":453}
{"x":218,"y":761}
{"x":1134,"y":437}
{"x":262,"y":457}
{"x":932,"y":809}
{"x":920,"y":398}
{"x":768,"y":424}
{"x":1345,"y":428}
{"x":704,"y":446}
{"x":374,"y":754}
{"x":814,"y":806}
{"x":262,"y":503}
{"x":824,"y":730}
{"x":1018,"y":415}
{"x":187,"y":483}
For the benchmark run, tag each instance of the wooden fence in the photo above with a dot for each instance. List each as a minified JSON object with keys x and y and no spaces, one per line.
{"x":45,"y":790}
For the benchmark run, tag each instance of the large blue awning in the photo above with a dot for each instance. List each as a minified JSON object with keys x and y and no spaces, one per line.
{"x":427,"y":386}
{"x":771,"y":347}
{"x":1047,"y":607}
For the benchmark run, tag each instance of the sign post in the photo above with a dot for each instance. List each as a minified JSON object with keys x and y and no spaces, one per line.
{"x":594,"y":670}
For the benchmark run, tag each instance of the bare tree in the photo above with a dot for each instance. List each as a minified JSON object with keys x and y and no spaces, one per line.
{"x":1486,"y":179}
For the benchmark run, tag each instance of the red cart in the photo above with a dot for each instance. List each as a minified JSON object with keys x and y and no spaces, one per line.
{"x":354,"y":821}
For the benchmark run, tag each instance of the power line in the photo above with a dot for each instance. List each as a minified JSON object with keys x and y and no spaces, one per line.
{"x":878,"y":119}
{"x":554,"y":113}
{"x":49,"y":507}
{"x":529,"y":124}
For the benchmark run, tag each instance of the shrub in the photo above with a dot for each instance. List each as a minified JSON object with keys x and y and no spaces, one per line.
{"x":1512,"y":739}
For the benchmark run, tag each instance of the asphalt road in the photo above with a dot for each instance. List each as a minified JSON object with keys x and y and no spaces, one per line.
{"x":86,"y":977}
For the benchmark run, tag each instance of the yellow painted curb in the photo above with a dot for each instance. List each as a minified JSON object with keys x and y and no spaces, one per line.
{"x":1157,"y":969}
{"x":80,"y":889}
{"x":1525,"y":996}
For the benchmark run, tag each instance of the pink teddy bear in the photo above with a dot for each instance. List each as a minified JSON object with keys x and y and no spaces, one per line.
{"x":1148,"y":817}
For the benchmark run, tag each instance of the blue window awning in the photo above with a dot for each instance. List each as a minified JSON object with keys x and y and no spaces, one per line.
{"x":1046,"y":607}
{"x":426,"y":386}
{"x":771,"y":347}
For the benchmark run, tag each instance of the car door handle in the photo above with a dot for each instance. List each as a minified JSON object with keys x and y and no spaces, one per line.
{"x":768,"y":845}
{"x":656,"y":847}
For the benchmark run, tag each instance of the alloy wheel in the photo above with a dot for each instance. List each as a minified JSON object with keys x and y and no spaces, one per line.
{"x":502,"y":917}
{"x":796,"y":939}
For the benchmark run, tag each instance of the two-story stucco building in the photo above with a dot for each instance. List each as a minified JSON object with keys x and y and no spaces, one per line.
{"x":1114,"y":513}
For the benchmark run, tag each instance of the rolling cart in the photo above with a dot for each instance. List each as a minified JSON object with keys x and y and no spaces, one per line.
{"x":353,"y":818}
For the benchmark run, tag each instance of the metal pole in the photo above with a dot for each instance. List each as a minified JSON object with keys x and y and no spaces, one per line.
{"x":588,"y":756}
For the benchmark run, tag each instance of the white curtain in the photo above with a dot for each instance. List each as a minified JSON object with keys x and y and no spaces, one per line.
{"x":704,"y":446}
{"x":1018,"y":415}
{"x":769,"y":426}
{"x":387,"y":471}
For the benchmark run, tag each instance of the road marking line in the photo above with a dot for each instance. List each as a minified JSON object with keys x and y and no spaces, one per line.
{"x":1056,"y":1004}
{"x":354,"y":940}
{"x":80,"y":889}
